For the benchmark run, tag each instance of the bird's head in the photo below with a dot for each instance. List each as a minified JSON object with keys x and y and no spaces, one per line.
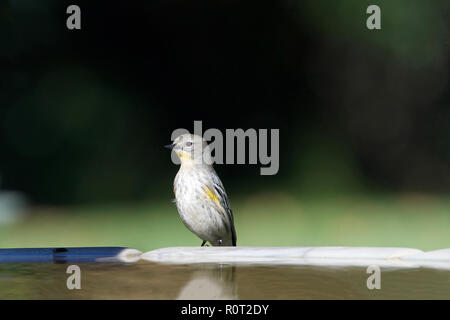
{"x":191,"y":148}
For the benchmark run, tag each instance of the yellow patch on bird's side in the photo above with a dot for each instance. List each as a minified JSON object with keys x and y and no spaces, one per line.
{"x":210,"y":194}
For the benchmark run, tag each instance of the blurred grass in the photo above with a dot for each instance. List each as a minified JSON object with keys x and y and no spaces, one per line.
{"x":265,"y":219}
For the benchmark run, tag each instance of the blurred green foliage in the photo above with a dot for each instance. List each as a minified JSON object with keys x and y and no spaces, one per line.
{"x":268,"y":219}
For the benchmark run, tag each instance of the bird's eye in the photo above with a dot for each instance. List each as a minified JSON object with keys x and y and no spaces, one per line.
{"x":189,"y":143}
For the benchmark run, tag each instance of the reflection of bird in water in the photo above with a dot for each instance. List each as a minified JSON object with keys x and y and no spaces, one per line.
{"x":211,"y":282}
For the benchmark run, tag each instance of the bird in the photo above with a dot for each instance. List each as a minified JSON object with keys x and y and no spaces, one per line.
{"x":200,"y":197}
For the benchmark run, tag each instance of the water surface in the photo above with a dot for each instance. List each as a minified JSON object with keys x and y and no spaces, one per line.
{"x":146,"y":280}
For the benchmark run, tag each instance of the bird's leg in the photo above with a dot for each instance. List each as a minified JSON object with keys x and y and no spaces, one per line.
{"x":203,"y":243}
{"x":220,"y":242}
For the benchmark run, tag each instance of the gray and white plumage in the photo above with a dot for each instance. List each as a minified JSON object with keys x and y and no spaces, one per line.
{"x":200,"y":196}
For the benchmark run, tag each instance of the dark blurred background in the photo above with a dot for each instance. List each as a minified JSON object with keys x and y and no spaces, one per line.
{"x":84,"y":113}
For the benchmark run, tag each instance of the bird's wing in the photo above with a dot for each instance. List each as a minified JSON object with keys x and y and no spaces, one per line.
{"x":225,"y":202}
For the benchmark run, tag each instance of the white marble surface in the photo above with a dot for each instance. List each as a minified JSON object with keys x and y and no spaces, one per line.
{"x":320,"y":256}
{"x":442,"y":255}
{"x":126,"y":255}
{"x":438,"y":259}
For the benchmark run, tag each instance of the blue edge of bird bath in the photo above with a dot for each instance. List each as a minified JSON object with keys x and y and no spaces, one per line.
{"x":58,"y":255}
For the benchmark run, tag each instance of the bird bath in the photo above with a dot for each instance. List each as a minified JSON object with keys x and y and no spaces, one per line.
{"x":227,"y":273}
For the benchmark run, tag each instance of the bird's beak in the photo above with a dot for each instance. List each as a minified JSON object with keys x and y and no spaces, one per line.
{"x":170,"y":146}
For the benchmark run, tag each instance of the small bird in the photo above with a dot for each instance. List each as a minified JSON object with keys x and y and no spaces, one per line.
{"x":200,"y":197}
